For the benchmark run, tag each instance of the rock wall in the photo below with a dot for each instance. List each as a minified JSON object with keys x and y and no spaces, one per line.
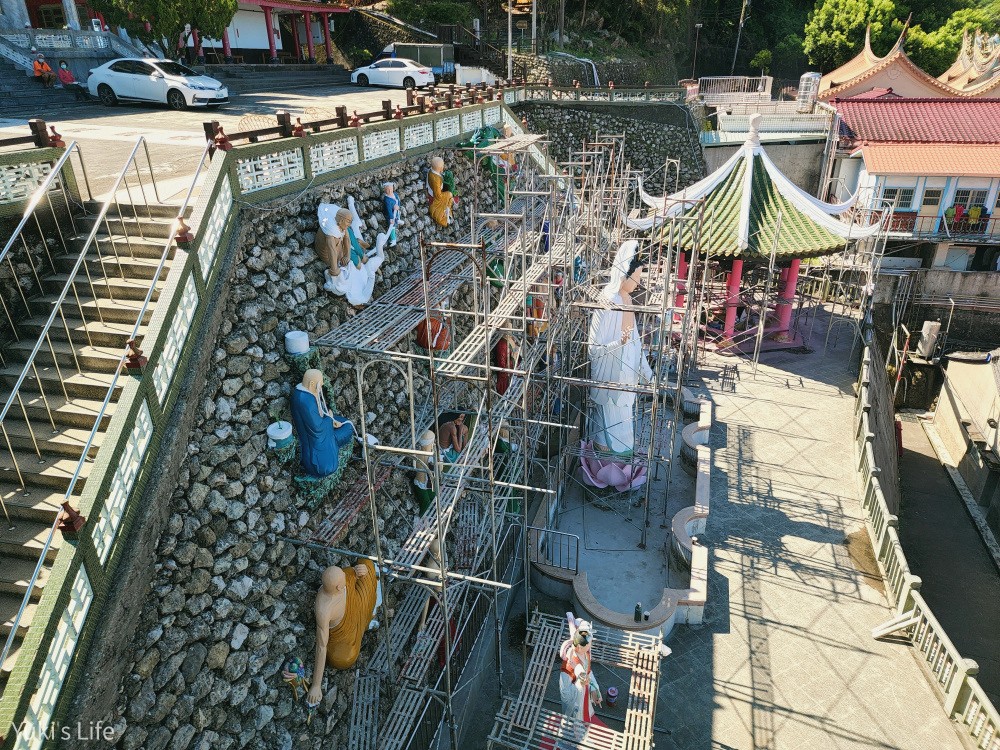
{"x":563,"y":71}
{"x":653,"y":133}
{"x":230,"y":601}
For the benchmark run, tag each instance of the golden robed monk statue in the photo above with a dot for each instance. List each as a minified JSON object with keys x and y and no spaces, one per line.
{"x":345,"y":604}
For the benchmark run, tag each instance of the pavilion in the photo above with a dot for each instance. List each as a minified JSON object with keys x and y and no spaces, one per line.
{"x":751,"y":211}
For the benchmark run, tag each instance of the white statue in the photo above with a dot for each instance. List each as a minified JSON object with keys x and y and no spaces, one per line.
{"x":578,"y":687}
{"x":353,"y":265}
{"x":616,"y":357}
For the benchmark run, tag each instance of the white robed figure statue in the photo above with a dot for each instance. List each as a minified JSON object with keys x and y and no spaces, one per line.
{"x":616,"y":358}
{"x":359,"y":264}
{"x":579,"y":691}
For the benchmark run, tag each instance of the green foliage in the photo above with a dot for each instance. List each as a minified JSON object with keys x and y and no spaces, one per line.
{"x":431,"y":13}
{"x":835,"y":31}
{"x":762,"y":61}
{"x":168,"y":17}
{"x":935,"y":51}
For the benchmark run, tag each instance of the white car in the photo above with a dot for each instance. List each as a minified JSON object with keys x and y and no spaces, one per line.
{"x":394,"y":71}
{"x":151,"y":80}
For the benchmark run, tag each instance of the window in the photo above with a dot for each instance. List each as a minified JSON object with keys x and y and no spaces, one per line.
{"x":932,"y":197}
{"x":382,"y":64}
{"x":397,"y":64}
{"x":903,"y":197}
{"x":174,"y":69}
{"x":998,"y":199}
{"x":142,"y":69}
{"x":122,"y":66}
{"x":968,"y":198}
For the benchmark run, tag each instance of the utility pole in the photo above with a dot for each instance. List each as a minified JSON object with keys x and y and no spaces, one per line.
{"x":510,"y":39}
{"x":694,"y":62}
{"x":534,"y":27}
{"x":562,"y":21}
{"x":739,"y":33}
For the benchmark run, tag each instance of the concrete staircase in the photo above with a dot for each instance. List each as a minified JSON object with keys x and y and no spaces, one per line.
{"x":59,"y":403}
{"x":21,"y":92}
{"x":246,"y":79}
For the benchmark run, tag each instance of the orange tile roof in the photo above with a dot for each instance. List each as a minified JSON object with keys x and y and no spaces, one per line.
{"x":932,"y":160}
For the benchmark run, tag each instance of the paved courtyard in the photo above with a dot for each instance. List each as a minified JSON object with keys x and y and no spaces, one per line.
{"x":785,"y":658}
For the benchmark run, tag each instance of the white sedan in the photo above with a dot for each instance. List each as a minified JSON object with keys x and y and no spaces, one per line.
{"x":395,"y":71}
{"x":151,"y":80}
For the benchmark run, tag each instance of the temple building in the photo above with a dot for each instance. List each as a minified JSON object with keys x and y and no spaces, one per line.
{"x":974,"y":73}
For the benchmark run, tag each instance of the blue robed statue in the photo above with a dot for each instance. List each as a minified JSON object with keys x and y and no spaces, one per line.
{"x":321,"y":433}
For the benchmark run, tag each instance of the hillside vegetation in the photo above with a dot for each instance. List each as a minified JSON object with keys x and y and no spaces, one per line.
{"x":781,"y":37}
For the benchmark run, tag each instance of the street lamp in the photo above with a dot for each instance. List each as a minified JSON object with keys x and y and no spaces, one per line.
{"x":694,"y":62}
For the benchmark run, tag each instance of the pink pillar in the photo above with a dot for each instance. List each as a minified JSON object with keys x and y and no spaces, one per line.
{"x":227,"y":51}
{"x":295,"y":38}
{"x":326,"y":38}
{"x":788,"y":297}
{"x":198,"y":54}
{"x":732,"y":298}
{"x":682,"y":274}
{"x":269,"y":25}
{"x":307,"y":18}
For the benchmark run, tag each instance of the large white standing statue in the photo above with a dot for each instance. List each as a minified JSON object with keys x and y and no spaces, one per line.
{"x":616,"y":358}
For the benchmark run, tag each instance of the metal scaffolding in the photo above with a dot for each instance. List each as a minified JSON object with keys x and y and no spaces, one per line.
{"x":533,"y":269}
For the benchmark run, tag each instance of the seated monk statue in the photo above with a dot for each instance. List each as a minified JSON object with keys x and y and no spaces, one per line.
{"x":441,"y":199}
{"x":345,"y":605}
{"x":321,"y":432}
{"x":452,"y":435}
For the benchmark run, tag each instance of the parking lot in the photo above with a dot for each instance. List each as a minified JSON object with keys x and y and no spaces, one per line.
{"x":106,"y":135}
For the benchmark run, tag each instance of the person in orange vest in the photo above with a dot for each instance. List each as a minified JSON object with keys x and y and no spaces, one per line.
{"x":43,"y":72}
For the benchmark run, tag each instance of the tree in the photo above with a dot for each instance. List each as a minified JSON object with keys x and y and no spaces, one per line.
{"x":935,"y":51}
{"x":835,"y":31}
{"x":762,"y":61}
{"x":167,"y":18}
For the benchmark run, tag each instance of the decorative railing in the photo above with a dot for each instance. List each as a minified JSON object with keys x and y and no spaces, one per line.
{"x":963,"y":697}
{"x":125,"y":464}
{"x":720,"y":90}
{"x":513,"y":93}
{"x":909,"y":223}
{"x":556,"y":549}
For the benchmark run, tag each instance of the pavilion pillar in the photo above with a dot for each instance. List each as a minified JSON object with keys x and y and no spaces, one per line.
{"x":199,"y":53}
{"x":732,"y":298}
{"x":269,"y":26}
{"x":307,"y":18}
{"x":326,"y":38}
{"x":227,"y":50}
{"x":787,"y":302}
{"x":680,"y":296}
{"x":295,"y":38}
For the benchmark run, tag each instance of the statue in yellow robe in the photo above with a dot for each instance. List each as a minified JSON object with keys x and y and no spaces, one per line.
{"x":441,"y":200}
{"x":345,"y":605}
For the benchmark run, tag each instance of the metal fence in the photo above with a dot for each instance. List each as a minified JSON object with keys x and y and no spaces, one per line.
{"x":963,"y":698}
{"x":880,"y":420}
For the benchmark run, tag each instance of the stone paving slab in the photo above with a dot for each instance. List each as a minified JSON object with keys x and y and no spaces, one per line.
{"x":785,"y":659}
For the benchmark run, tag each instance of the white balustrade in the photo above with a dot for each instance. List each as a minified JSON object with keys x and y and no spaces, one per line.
{"x":270,"y":170}
{"x":380,"y":143}
{"x":173,"y":345}
{"x":214,"y":228}
{"x":333,"y":155}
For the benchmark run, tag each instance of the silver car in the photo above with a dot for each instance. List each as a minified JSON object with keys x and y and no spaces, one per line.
{"x":147,"y":79}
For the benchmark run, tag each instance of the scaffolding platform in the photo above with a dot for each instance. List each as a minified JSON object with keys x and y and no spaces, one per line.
{"x":334,"y":527}
{"x":402,"y":625}
{"x":399,"y":727}
{"x":523,"y":724}
{"x":364,"y":712}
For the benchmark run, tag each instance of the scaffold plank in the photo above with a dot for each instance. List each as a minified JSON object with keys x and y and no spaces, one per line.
{"x":546,"y":637}
{"x":403,"y":623}
{"x":364,"y":712}
{"x":333,"y":528}
{"x":467,"y":535}
{"x":399,"y":726}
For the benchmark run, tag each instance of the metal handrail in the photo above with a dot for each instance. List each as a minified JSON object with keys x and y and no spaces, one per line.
{"x":29,"y":364}
{"x":42,"y":190}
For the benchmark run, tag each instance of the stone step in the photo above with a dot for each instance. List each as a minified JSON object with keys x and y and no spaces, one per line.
{"x":48,"y":472}
{"x":77,"y":413}
{"x":135,"y":247}
{"x":114,"y":260}
{"x":9,"y":607}
{"x":15,"y":574}
{"x":39,"y":505}
{"x":8,"y":666}
{"x":137,"y":224}
{"x":89,"y":385}
{"x":113,"y":288}
{"x":65,"y":441}
{"x":26,"y":540}
{"x":104,"y":359}
{"x":103,"y":309}
{"x":100,"y":334}
{"x":167,"y":211}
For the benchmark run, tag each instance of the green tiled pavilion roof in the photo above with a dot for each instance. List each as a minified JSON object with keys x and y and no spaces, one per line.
{"x":742,"y":202}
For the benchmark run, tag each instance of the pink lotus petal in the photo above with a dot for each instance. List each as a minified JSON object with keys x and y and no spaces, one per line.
{"x":602,"y":473}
